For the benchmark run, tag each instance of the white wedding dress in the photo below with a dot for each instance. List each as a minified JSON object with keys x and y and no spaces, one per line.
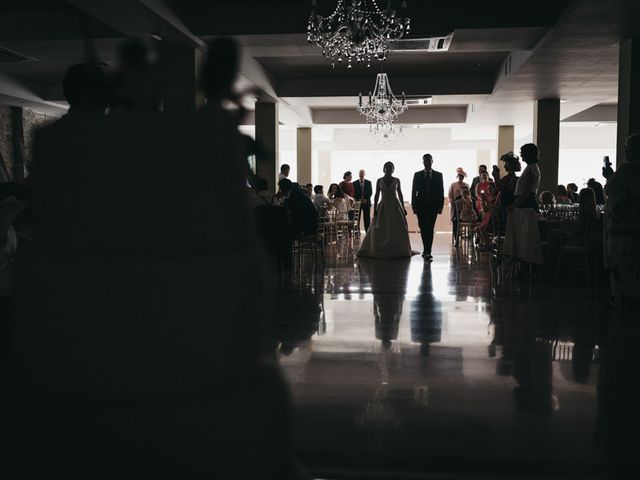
{"x":388,"y":235}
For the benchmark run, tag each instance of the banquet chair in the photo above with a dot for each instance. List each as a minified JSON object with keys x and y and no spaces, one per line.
{"x":311,"y":244}
{"x":346,"y":226}
{"x":465,"y":230}
{"x":356,"y":219}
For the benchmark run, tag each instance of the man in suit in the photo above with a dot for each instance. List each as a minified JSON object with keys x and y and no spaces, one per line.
{"x":474,"y":183}
{"x":427,"y":201}
{"x":362,"y":192}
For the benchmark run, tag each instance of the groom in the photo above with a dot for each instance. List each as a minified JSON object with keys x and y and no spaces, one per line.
{"x":427,"y":201}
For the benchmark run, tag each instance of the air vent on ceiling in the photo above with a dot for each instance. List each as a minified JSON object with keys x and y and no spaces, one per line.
{"x":7,"y":56}
{"x":430,"y":44}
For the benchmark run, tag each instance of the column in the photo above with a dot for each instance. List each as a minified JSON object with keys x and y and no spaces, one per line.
{"x":324,"y":170}
{"x":267,"y":138}
{"x":180,"y":67}
{"x":628,"y":93}
{"x":506,"y":140}
{"x":304,"y":152}
{"x":546,"y":135}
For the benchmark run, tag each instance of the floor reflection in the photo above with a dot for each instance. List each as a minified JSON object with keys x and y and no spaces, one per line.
{"x":421,"y":367}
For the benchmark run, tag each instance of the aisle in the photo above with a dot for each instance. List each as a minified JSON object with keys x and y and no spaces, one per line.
{"x":415,"y":366}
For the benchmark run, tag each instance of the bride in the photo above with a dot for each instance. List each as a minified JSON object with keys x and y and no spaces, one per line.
{"x":388,"y":236}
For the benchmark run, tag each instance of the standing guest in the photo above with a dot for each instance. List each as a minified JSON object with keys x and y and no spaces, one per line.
{"x":362,"y":193}
{"x":303,"y":217}
{"x":598,"y":190}
{"x":572,"y":190}
{"x":529,"y":182}
{"x":506,"y":186}
{"x":284,"y":172}
{"x":562,"y":196}
{"x":319,"y":199}
{"x":427,"y":201}
{"x":481,"y":169}
{"x":455,"y":191}
{"x":309,"y":190}
{"x":622,"y":227}
{"x":346,"y":186}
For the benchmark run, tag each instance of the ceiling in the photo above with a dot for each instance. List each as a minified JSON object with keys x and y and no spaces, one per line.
{"x":502,"y":57}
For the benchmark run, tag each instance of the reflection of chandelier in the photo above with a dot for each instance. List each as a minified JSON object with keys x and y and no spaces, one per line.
{"x":387,"y":133}
{"x":383,"y":106}
{"x":359,"y":31}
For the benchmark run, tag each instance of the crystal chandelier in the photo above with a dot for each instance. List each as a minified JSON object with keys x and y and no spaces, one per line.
{"x":383,"y":106}
{"x":357,"y":32}
{"x":387,"y":133}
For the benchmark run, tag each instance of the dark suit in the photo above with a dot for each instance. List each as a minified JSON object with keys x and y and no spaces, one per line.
{"x":365,"y":197}
{"x":427,"y":201}
{"x":472,"y":190}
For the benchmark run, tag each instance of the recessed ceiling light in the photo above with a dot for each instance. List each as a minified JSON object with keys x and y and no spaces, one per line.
{"x":155,"y":36}
{"x":563,"y":100}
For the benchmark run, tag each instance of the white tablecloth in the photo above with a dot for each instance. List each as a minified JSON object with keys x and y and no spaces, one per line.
{"x":522,"y":237}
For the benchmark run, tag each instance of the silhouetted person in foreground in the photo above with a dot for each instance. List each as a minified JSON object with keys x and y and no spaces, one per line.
{"x":84,"y":88}
{"x":622,"y":229}
{"x":134,"y":350}
{"x":136,"y":86}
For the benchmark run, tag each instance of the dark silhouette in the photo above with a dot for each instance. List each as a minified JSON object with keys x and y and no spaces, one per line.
{"x":136,"y":85}
{"x":303,"y":218}
{"x":132,"y":338}
{"x":572,"y":190}
{"x":427,"y":201}
{"x":529,"y":181}
{"x":362,"y":193}
{"x":597,"y":188}
{"x":506,"y":186}
{"x":84,"y":87}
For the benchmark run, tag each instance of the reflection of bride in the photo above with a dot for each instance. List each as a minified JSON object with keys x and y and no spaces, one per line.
{"x":388,"y":284}
{"x":388,"y":236}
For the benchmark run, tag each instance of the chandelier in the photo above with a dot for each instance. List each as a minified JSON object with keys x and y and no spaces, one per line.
{"x":387,"y":133}
{"x":357,"y":32}
{"x":383,"y":106}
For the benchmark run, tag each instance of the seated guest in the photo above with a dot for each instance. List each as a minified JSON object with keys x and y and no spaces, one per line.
{"x":333,"y":188}
{"x":342,"y":203}
{"x":547,"y":198}
{"x":309,"y":190}
{"x":319,"y":199}
{"x":303,"y":217}
{"x":562,"y":196}
{"x":259,"y":195}
{"x":572,"y":190}
{"x":464,"y":208}
{"x":597,"y":189}
{"x":488,"y":200}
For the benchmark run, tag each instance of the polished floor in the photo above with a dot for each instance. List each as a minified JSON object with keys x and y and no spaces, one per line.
{"x":407,"y":369}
